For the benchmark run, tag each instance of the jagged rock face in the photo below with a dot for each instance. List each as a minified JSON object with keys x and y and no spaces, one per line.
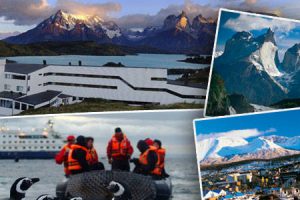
{"x":291,"y":60}
{"x":180,"y":22}
{"x":249,"y":66}
{"x":67,"y":27}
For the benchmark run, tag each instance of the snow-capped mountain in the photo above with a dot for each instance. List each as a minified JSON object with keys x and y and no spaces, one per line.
{"x":292,"y":143}
{"x":63,"y":26}
{"x":250,"y":67}
{"x":175,"y":35}
{"x":224,"y":150}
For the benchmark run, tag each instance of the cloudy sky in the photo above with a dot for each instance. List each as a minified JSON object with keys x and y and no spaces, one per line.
{"x":286,"y":32}
{"x":283,"y":123}
{"x":174,"y":129}
{"x":21,"y":15}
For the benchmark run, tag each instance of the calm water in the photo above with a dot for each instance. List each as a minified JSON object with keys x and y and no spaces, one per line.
{"x":141,"y":60}
{"x":182,"y":170}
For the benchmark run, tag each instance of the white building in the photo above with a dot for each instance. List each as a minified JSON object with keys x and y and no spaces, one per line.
{"x":31,"y":86}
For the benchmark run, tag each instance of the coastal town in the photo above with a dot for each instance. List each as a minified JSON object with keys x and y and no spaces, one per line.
{"x":279,"y":182}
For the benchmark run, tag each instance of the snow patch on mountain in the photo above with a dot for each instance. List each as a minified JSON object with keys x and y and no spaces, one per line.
{"x":226,"y":150}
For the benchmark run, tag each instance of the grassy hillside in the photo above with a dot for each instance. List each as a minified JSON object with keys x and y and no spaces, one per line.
{"x":99,"y":105}
{"x":70,"y":48}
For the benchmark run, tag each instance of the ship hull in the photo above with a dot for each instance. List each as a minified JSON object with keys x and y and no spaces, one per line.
{"x":28,"y":154}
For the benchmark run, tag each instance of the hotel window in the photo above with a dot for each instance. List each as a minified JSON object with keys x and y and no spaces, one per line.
{"x":5,"y":103}
{"x":28,"y":88}
{"x":24,"y":106}
{"x":20,"y":88}
{"x":17,"y":105}
{"x":6,"y":87}
{"x":8,"y":76}
{"x":28,"y":77}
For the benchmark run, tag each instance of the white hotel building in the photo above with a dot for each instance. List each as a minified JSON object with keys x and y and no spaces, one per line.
{"x":31,"y":86}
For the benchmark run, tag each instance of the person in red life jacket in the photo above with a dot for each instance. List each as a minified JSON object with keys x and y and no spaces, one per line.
{"x":147,"y":163}
{"x":161,"y":153}
{"x":62,"y":156}
{"x":93,"y":156}
{"x":78,"y":157}
{"x":119,"y":151}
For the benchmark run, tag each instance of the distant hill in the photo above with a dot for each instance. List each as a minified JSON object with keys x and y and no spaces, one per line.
{"x":68,"y":48}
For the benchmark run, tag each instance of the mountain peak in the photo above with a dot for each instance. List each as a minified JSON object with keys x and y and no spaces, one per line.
{"x":183,"y":14}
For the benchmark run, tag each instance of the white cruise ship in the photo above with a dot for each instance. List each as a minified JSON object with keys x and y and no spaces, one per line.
{"x":38,"y":144}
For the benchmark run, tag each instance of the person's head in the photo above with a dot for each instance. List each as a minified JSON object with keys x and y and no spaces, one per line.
{"x":80,"y":140}
{"x":149,"y":141}
{"x":71,"y":139}
{"x":89,"y":142}
{"x":157,"y":143}
{"x":119,"y":133}
{"x":142,"y":146}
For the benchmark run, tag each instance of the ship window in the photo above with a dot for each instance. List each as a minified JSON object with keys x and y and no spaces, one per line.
{"x":29,"y":147}
{"x":9,"y":147}
{"x":24,"y":147}
{"x":47,"y":141}
{"x":35,"y":147}
{"x":4,"y":142}
{"x":35,"y":141}
{"x":59,"y":147}
{"x":9,"y":136}
{"x":4,"y":147}
{"x":16,"y":136}
{"x":4,"y":135}
{"x":42,"y":141}
{"x":47,"y":147}
{"x":15,"y":141}
{"x":42,"y":147}
{"x":53,"y":141}
{"x":9,"y":142}
{"x":16,"y":147}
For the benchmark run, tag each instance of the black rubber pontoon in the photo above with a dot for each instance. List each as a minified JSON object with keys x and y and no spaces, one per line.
{"x":93,"y":186}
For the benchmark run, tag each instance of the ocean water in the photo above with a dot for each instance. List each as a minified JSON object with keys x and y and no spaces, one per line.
{"x":140,"y":60}
{"x":183,"y":171}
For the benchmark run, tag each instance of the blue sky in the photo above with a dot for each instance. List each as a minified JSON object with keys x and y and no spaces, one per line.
{"x":286,"y":32}
{"x":284,"y":123}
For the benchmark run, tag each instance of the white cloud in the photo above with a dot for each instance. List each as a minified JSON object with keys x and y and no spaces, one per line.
{"x":174,"y":129}
{"x":242,"y":133}
{"x":249,"y":23}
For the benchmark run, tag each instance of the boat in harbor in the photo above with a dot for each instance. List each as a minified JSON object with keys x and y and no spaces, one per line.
{"x":37,"y":144}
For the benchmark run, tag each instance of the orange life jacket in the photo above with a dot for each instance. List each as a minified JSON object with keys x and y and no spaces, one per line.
{"x":144,"y":160}
{"x":93,"y":156}
{"x":66,"y":149}
{"x":73,"y":164}
{"x":161,"y":153}
{"x":119,"y":148}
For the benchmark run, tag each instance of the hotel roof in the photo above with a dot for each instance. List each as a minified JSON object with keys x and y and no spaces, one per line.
{"x":39,"y":98}
{"x":22,"y":68}
{"x":10,"y":95}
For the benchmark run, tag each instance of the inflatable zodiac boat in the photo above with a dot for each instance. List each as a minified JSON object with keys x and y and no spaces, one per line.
{"x":95,"y":185}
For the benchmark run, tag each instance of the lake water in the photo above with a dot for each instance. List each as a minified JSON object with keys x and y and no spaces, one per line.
{"x":183,"y":171}
{"x":140,"y":60}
